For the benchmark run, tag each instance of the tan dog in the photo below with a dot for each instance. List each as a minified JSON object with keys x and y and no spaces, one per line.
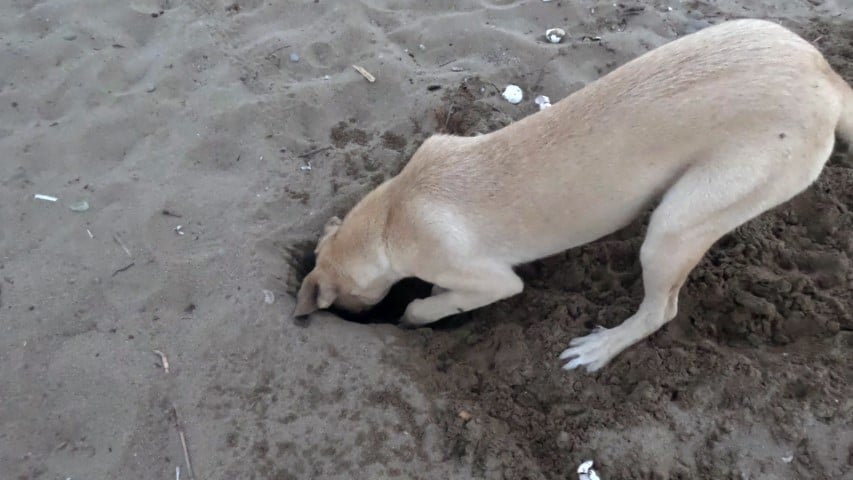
{"x":720,"y":126}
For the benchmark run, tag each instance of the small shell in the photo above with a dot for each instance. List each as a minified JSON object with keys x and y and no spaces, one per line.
{"x":543,"y":102}
{"x":269,"y":297}
{"x":555,"y":35}
{"x":513,"y":94}
{"x":585,"y":471}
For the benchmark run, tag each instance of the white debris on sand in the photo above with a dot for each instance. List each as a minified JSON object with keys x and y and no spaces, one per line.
{"x":585,"y":471}
{"x":513,"y":94}
{"x":543,"y":102}
{"x":555,"y":35}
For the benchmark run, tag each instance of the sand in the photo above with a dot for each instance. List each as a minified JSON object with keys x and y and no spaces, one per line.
{"x":167,"y":113}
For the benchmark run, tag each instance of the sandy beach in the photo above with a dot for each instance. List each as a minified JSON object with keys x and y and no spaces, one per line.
{"x":195,"y":149}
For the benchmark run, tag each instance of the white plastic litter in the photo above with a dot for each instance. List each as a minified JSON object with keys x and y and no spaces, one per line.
{"x":585,"y":471}
{"x":269,"y":297}
{"x":513,"y":94}
{"x":555,"y":35}
{"x":788,"y":458}
{"x":543,"y":102}
{"x":79,"y":206}
{"x":47,"y":198}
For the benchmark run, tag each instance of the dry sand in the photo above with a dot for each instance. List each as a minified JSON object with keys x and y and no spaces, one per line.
{"x":162,"y":113}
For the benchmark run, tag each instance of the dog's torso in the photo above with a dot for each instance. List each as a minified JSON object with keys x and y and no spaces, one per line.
{"x":599,"y":157}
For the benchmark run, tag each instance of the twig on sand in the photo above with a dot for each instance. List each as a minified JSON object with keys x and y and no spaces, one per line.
{"x":163,"y":359}
{"x":181,"y":434}
{"x":364,"y":73}
{"x":122,"y":245}
{"x":311,"y":153}
{"x":123,"y":269}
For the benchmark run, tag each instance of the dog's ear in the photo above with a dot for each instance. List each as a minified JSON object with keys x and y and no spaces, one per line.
{"x":328,"y":230}
{"x":314,"y":294}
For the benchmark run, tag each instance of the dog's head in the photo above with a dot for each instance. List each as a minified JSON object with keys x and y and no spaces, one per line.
{"x":343,"y":276}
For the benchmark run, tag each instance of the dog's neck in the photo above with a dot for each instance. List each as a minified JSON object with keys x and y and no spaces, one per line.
{"x":363,"y":236}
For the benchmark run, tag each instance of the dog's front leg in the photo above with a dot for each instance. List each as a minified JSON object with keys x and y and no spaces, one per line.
{"x":461,"y":291}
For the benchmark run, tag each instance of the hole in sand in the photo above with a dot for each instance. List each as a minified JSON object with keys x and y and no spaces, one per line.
{"x":392,"y":307}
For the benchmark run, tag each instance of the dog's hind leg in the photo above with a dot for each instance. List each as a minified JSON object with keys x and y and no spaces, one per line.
{"x":461,"y":290}
{"x":708,"y":201}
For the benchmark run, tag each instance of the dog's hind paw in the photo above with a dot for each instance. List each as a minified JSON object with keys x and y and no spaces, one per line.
{"x":593,"y":351}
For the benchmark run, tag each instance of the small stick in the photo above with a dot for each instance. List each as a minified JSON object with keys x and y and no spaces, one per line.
{"x":183,"y":443}
{"x":163,"y":359}
{"x":122,"y":245}
{"x":364,"y":73}
{"x":449,"y":113}
{"x":123,"y":269}
{"x":311,"y":153}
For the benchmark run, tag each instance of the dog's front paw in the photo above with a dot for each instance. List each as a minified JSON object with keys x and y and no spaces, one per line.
{"x":417,"y":315}
{"x":594,"y":350}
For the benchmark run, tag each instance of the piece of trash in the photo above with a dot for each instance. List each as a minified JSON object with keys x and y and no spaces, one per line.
{"x":269,"y":297}
{"x":555,"y":35}
{"x":47,"y":198}
{"x":163,"y":359}
{"x":294,"y":57}
{"x":90,"y":233}
{"x":177,"y":473}
{"x":543,"y":102}
{"x":513,"y":94}
{"x":585,"y":471}
{"x":364,"y":73}
{"x":422,"y":46}
{"x":80,"y":206}
{"x":788,"y":458}
{"x":306,"y":167}
{"x":465,"y":415}
{"x":456,"y":69}
{"x":178,"y":230}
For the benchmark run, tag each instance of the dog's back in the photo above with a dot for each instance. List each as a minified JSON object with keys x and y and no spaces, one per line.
{"x":601,"y":155}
